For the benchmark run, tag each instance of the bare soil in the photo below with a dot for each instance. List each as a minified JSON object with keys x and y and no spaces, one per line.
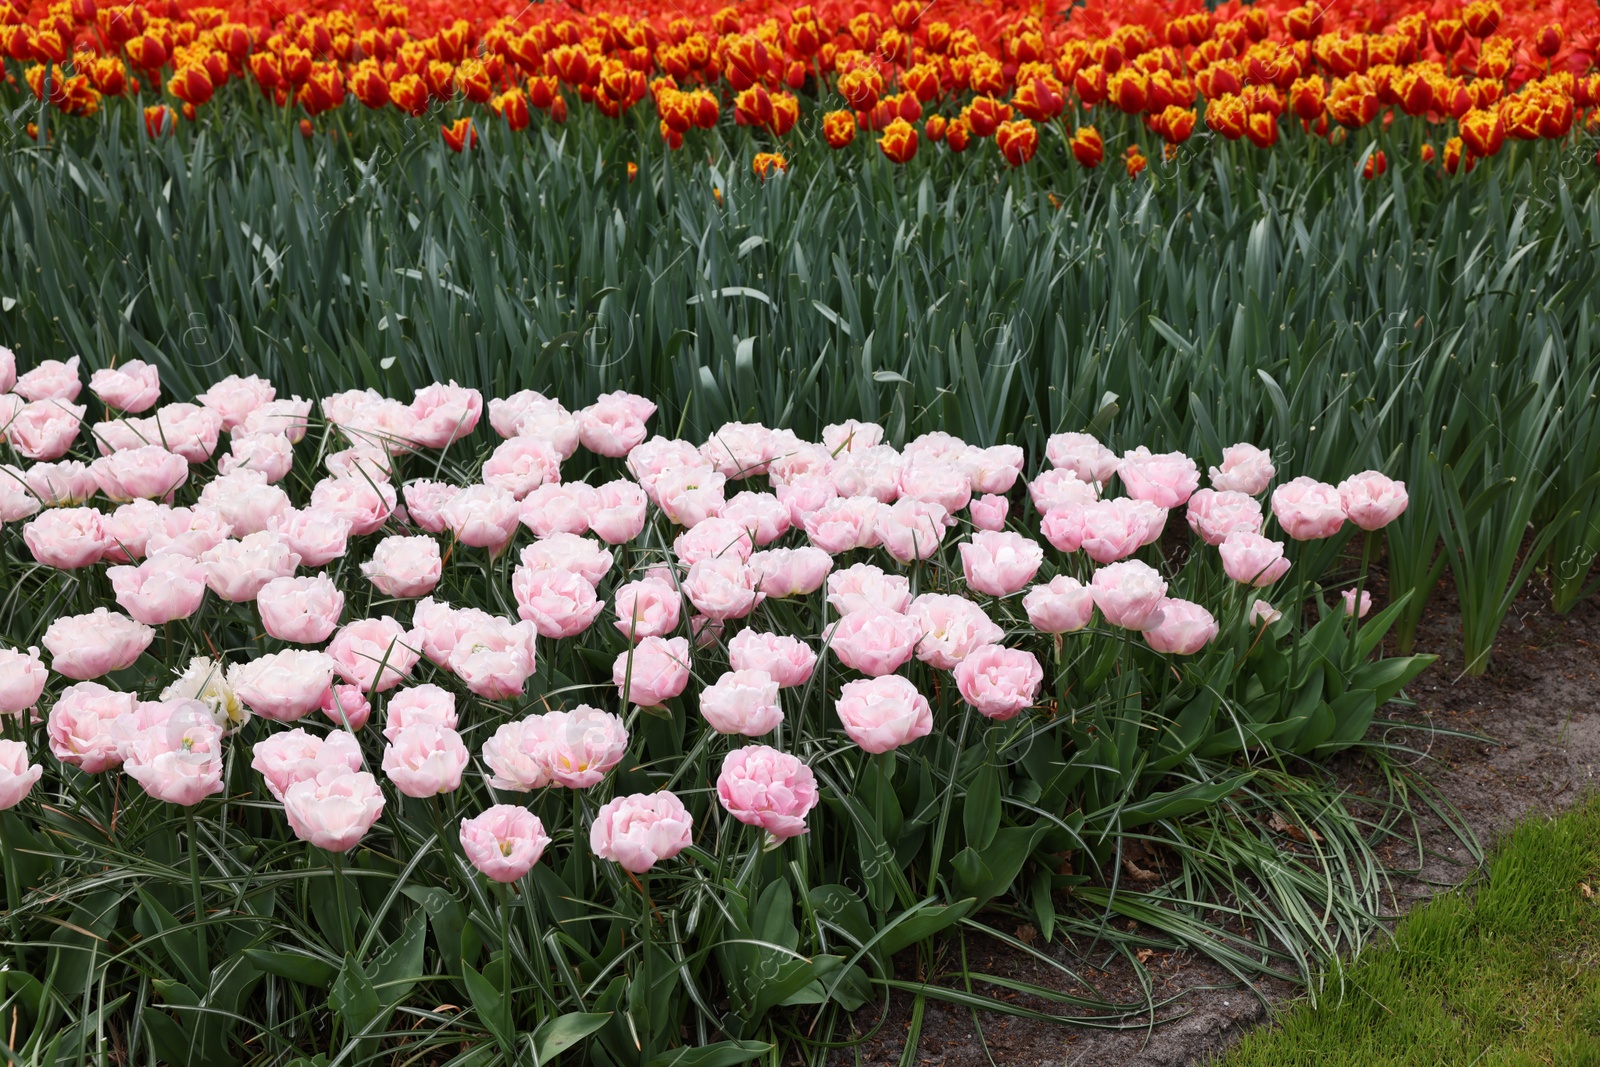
{"x":1538,"y":706}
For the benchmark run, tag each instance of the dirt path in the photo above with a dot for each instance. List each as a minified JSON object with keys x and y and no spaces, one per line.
{"x":1540,"y":706}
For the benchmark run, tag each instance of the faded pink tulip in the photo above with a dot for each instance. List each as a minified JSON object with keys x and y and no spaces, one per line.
{"x":937,"y":481}
{"x":375,"y":654}
{"x":438,"y":626}
{"x":647,"y":608}
{"x":740,"y":450}
{"x":425,"y":703}
{"x":82,"y":726}
{"x":302,"y":611}
{"x":786,"y":572}
{"x":317,"y":535}
{"x":1063,"y":606}
{"x":1213,"y":515}
{"x":640,"y":830}
{"x":444,"y":413}
{"x":504,"y":842}
{"x":286,"y":417}
{"x":1129,"y":594}
{"x":911,"y":529}
{"x":495,"y":659}
{"x":690,"y":495}
{"x":335,"y":809}
{"x":851,"y":436}
{"x":87,"y":646}
{"x":1245,"y":469}
{"x":1059,"y":489}
{"x":1114,"y":529}
{"x":366,"y":504}
{"x":614,"y":424}
{"x":1264,"y":614}
{"x":66,"y":482}
{"x":159,"y":590}
{"x":283,"y":686}
{"x":618,"y":514}
{"x":514,"y":754}
{"x":292,"y":756}
{"x":999,"y":681}
{"x":763,"y":515}
{"x":804,"y":495}
{"x":844,"y":523}
{"x":580,"y":746}
{"x":425,"y":759}
{"x":742,"y":702}
{"x":234,"y":398}
{"x":187,"y":532}
{"x":522,"y":464}
{"x":569,"y":552}
{"x":66,"y":538}
{"x":404,"y":566}
{"x":127,"y":528}
{"x":952,"y":626}
{"x":714,"y":537}
{"x":1308,"y":510}
{"x":482,"y":516}
{"x":722,"y":588}
{"x":149,"y":472}
{"x":1349,"y":598}
{"x":864,"y":586}
{"x":553,"y":508}
{"x":1166,"y":479}
{"x":363,"y":461}
{"x":1185,"y":628}
{"x":246,"y":501}
{"x":236,"y":570}
{"x":178,"y":758}
{"x":346,"y":705}
{"x":994,"y":469}
{"x":45,"y":429}
{"x":425,"y":501}
{"x":531,"y":414}
{"x":51,"y":379}
{"x":17,"y":499}
{"x":17,"y":775}
{"x":874,"y":642}
{"x":1081,"y":454}
{"x":788,"y":660}
{"x":187,"y":429}
{"x":655,"y":671}
{"x":1253,"y":559}
{"x":1000,"y":563}
{"x":989,"y":512}
{"x":874,"y":472}
{"x":658,"y":456}
{"x":557,"y":602}
{"x":1371,"y":500}
{"x":22,"y":679}
{"x":881,"y":714}
{"x":8,"y":369}
{"x":269,"y":453}
{"x":763,"y":787}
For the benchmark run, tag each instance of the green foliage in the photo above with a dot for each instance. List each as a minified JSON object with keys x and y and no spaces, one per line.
{"x":1413,"y":324}
{"x":1502,"y":972}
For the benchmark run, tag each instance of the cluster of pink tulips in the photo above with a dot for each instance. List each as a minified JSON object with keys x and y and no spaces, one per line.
{"x":749,"y":516}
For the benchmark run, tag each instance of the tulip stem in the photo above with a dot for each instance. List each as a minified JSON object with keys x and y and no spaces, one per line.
{"x":504,"y":894}
{"x":194,"y":887}
{"x":13,"y":886}
{"x":345,"y":936}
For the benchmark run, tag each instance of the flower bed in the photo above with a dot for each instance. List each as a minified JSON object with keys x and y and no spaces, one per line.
{"x":905,"y":76}
{"x":349,"y":709}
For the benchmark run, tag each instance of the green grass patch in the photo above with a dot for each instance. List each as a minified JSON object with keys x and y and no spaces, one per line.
{"x":1505,"y":974}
